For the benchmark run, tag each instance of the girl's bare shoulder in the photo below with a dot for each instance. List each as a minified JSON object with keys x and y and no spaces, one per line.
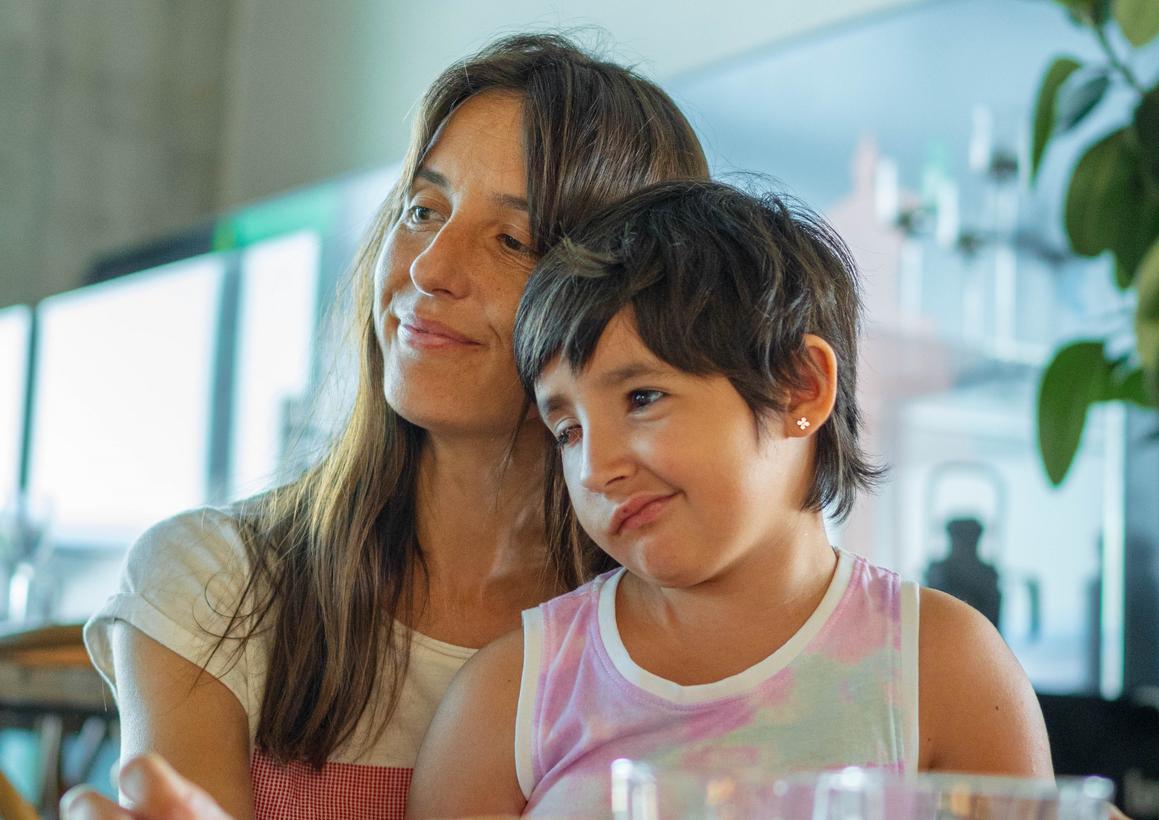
{"x":977,"y":710}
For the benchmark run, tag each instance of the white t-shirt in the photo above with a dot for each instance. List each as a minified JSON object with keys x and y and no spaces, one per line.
{"x":180,"y":584}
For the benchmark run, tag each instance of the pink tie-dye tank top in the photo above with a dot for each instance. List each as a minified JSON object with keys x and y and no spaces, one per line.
{"x":842,"y":691}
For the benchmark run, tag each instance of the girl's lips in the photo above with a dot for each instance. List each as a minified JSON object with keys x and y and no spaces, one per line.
{"x":639,"y":512}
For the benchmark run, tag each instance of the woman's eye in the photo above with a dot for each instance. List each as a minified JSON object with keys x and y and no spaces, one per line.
{"x":418,"y":214}
{"x":643,"y":398}
{"x":568,"y":436}
{"x":513,"y":244}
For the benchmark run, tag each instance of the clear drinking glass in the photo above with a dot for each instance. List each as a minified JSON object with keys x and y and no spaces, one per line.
{"x":643,"y":791}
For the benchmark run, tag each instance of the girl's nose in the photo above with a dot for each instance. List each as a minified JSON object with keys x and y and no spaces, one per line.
{"x":441,"y":269}
{"x":606,"y":461}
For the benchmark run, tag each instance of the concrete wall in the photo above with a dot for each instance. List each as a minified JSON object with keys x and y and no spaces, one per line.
{"x":110,"y":130}
{"x":321,"y":88}
{"x":125,"y":120}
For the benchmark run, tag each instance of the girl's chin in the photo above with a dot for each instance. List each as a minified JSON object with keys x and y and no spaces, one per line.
{"x":664,"y":572}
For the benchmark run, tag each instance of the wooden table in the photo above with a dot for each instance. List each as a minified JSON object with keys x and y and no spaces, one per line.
{"x":47,"y":684}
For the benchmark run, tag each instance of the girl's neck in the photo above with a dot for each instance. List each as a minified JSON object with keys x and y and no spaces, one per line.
{"x":750,"y":610}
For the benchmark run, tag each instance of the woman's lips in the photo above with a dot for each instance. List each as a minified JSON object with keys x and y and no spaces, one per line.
{"x":426,"y":334}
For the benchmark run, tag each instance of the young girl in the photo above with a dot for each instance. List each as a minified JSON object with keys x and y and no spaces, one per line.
{"x":691,"y":351}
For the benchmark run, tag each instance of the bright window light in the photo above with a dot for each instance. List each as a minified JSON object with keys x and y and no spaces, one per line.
{"x":120,"y":428}
{"x":15,"y":323}
{"x":278,"y":296}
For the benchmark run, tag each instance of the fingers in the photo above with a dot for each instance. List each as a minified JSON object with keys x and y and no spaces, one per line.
{"x":155,"y":791}
{"x":84,"y":803}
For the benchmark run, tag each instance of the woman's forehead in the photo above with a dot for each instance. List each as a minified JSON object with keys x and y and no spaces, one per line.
{"x":485,"y":128}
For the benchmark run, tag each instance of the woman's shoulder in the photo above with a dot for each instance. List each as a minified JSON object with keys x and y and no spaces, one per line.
{"x":197,"y":521}
{"x":181,"y":582}
{"x":203,"y":536}
{"x":220,"y":520}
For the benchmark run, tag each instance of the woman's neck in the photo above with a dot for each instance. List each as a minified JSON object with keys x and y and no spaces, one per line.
{"x":479,"y":511}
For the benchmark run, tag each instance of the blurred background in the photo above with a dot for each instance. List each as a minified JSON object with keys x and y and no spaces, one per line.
{"x":184,"y":183}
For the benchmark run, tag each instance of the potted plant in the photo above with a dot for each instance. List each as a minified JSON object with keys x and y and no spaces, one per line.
{"x":1112,"y":205}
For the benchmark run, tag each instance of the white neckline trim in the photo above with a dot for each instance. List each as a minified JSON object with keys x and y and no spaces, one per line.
{"x":910,"y":622}
{"x":734,"y":685}
{"x":434,"y":644}
{"x":528,"y":695}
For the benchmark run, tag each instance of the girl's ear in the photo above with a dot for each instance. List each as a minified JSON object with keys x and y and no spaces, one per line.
{"x":811,"y":405}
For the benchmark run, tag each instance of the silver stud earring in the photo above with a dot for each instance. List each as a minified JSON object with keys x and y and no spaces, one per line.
{"x":802,"y":422}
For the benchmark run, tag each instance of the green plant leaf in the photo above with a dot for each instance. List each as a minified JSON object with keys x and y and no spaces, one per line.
{"x":1096,"y":202}
{"x":1147,"y":133}
{"x":1138,"y":230}
{"x":1139,"y":19}
{"x":1132,"y":388}
{"x":1108,"y":204}
{"x":1077,"y":377}
{"x":1044,"y":107}
{"x":1147,"y":319}
{"x":1087,"y":11}
{"x":1124,"y":276}
{"x":1075,"y":103}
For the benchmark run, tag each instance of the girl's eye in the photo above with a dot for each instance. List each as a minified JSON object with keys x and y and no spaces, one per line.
{"x":568,"y":436}
{"x":642,"y":398}
{"x":513,"y":244}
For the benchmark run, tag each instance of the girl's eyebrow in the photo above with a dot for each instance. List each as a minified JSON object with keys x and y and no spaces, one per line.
{"x":632,"y":370}
{"x":551,"y":404}
{"x":554,"y":402}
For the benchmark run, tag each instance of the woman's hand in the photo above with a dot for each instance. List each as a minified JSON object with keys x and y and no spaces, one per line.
{"x":154,"y":791}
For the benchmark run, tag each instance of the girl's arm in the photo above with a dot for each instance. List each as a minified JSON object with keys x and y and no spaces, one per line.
{"x":977,"y":711}
{"x":169,"y":706}
{"x":466,"y":766}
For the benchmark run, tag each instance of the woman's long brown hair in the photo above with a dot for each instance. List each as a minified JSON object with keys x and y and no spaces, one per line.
{"x":335,"y":556}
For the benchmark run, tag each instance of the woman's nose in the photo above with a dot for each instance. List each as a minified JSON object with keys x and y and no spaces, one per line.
{"x":442,"y":266}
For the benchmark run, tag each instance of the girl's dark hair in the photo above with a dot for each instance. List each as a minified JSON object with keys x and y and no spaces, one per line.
{"x":335,"y":555}
{"x":718,"y":282}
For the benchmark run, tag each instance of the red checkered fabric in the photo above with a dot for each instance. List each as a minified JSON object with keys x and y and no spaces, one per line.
{"x":341,"y":791}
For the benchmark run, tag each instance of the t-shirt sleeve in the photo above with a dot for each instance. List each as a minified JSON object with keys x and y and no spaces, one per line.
{"x":180,"y":584}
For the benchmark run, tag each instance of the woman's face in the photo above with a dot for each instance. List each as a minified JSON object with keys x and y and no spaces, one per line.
{"x":450,"y":274}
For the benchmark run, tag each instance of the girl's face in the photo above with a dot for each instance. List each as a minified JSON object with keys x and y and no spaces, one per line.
{"x":665,"y":470}
{"x":450,"y":274}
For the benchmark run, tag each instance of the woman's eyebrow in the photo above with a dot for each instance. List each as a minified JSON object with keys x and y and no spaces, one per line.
{"x":511,"y":202}
{"x":508,"y":201}
{"x":433,"y":177}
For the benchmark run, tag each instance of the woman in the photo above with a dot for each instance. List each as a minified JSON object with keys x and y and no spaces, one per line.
{"x":331,"y":614}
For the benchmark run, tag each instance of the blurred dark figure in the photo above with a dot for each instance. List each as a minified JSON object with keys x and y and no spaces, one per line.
{"x":963,"y":574}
